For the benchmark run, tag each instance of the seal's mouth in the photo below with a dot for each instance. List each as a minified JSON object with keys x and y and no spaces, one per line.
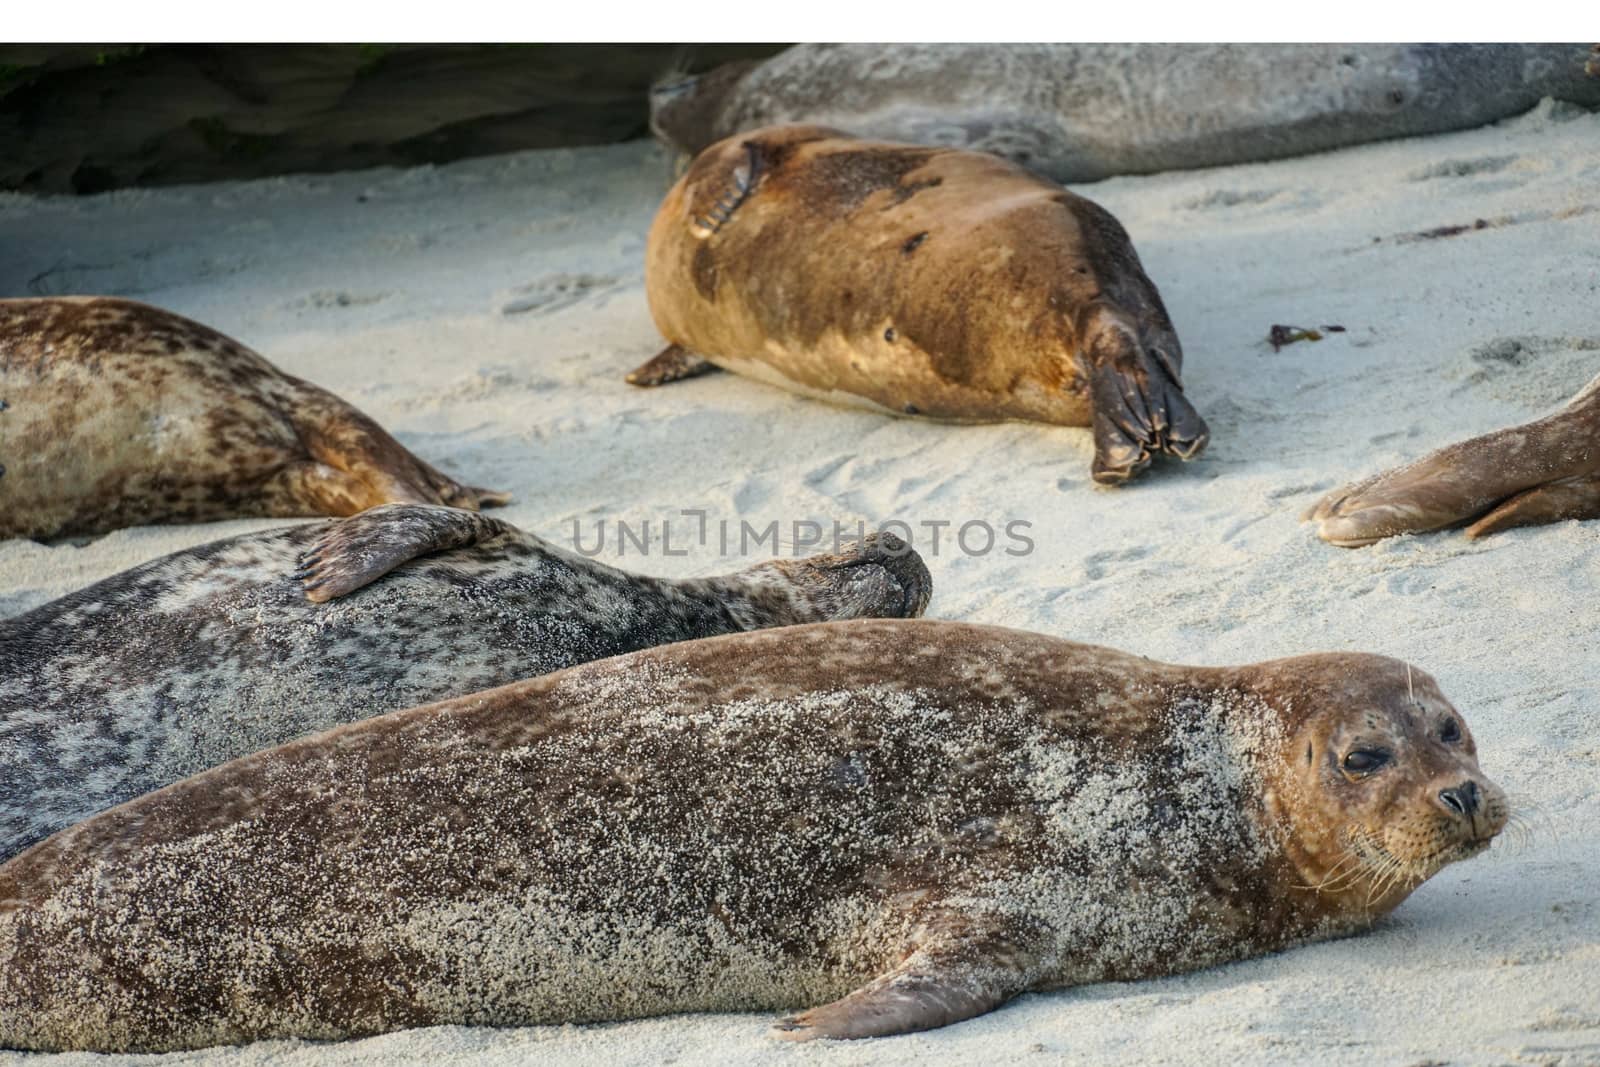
{"x":1465,"y":850}
{"x":1370,"y":868}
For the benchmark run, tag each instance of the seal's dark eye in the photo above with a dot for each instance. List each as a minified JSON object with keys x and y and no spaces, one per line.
{"x":1450,"y":732}
{"x":1364,"y":761}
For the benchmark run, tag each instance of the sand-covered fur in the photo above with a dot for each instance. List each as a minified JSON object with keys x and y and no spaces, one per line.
{"x":913,"y":820}
{"x":388,"y":288}
{"x":209,"y":654}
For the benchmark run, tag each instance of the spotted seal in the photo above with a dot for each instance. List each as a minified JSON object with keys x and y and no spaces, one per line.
{"x":1082,"y":112}
{"x":114,"y":413}
{"x":923,"y":281}
{"x":210,"y":653}
{"x":1539,"y":472}
{"x":905,"y":822}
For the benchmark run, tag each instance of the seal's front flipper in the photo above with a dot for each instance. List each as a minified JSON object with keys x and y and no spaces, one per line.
{"x":1139,"y":406}
{"x":363,"y":548}
{"x":720,"y":183}
{"x":1569,"y":498}
{"x":671,"y":364}
{"x":959,"y":974}
{"x":880,"y":577}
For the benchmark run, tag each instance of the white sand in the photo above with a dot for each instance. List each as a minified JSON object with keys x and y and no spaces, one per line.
{"x":388,"y":287}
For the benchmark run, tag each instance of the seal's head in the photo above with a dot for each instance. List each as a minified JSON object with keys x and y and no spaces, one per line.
{"x":684,"y":108}
{"x":1380,"y":784}
{"x":880,"y":577}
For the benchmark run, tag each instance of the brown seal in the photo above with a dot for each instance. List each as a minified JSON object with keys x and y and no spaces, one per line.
{"x":114,"y":413}
{"x":922,"y":281}
{"x":905,"y":822}
{"x":211,"y":653}
{"x":1539,"y":472}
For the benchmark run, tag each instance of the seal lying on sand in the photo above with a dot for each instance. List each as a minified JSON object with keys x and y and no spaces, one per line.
{"x":920,"y":281}
{"x":908,"y":823}
{"x":1543,"y":471}
{"x":114,"y":413}
{"x":1081,"y":112}
{"x":208,"y":654}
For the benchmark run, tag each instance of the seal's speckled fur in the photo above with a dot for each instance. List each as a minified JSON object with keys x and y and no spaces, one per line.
{"x":935,"y":815}
{"x":116,"y":413}
{"x":208,"y":654}
{"x":1082,"y":112}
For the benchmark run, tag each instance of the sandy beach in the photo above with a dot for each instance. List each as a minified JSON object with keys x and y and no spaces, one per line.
{"x":486,"y":311}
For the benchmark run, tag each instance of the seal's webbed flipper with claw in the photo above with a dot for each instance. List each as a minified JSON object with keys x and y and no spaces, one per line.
{"x":379,"y":469}
{"x":719,"y":182}
{"x":964,"y":969}
{"x":879,"y":576}
{"x":1540,"y":472}
{"x":1568,"y":498}
{"x":727,"y":184}
{"x":672,"y":364}
{"x":363,"y":548}
{"x":1139,"y":405}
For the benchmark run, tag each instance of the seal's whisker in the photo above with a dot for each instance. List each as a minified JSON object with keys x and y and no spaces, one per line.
{"x":1347,"y":868}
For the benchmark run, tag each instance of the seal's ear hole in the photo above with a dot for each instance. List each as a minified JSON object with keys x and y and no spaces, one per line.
{"x":1308,"y":753}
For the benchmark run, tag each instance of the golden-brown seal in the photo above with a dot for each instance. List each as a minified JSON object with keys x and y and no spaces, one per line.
{"x":114,"y":413}
{"x":1539,"y":472}
{"x":918,"y":280}
{"x":905,"y":822}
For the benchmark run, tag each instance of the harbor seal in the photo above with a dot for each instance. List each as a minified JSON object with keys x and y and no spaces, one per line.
{"x":214,"y":652}
{"x":921,"y":281}
{"x":905,"y":822}
{"x":1082,"y":112}
{"x":1543,"y":471}
{"x":114,"y":413}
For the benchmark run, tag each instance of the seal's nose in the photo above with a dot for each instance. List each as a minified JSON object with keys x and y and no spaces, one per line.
{"x":1461,"y":799}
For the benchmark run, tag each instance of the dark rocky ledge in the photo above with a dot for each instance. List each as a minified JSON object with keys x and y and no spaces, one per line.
{"x":87,"y":118}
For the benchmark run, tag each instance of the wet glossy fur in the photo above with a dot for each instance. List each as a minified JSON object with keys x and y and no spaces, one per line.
{"x":923,"y":281}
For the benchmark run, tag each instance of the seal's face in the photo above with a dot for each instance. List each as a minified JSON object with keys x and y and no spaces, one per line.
{"x":1396,"y":790}
{"x":684,"y":108}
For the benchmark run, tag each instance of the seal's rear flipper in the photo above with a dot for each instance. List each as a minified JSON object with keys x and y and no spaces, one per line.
{"x":363,"y":548}
{"x":1139,"y":406}
{"x":1569,"y":498}
{"x":379,"y":469}
{"x":671,"y":364}
{"x":1542,"y":471}
{"x":960,"y":974}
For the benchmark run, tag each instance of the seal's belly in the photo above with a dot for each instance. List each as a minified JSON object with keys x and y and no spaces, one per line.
{"x":902,"y":383}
